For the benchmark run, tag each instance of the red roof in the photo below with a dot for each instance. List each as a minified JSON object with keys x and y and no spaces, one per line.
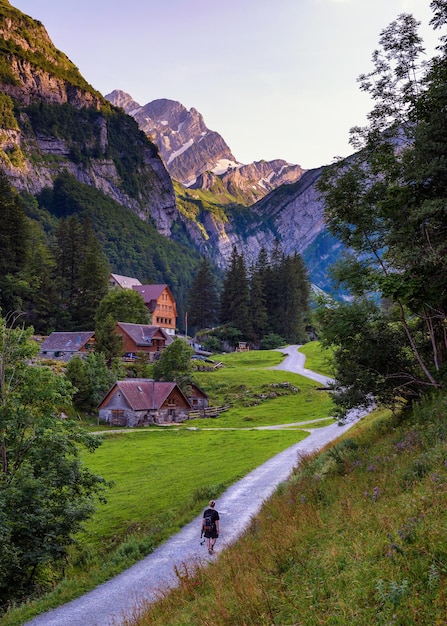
{"x":150,"y":292}
{"x":144,"y":394}
{"x":142,"y":334}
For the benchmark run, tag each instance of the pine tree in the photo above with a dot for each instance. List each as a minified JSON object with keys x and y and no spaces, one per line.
{"x":92,"y":284}
{"x":203,"y":301}
{"x":14,"y":248}
{"x":258,"y":296}
{"x":235,"y":297}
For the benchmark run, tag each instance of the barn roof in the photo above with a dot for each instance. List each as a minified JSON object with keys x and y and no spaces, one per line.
{"x":142,"y":334}
{"x":66,"y":341}
{"x":125,"y":282}
{"x":144,"y":394}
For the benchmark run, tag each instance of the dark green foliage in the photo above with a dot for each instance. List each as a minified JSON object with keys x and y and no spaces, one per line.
{"x":235,"y":296}
{"x":175,"y":365}
{"x":272,"y":341}
{"x":274,"y":299}
{"x":91,"y":378}
{"x":7,"y":119}
{"x":45,"y":492}
{"x":203,"y":301}
{"x":388,"y":207}
{"x":75,"y":373}
{"x":108,"y":342}
{"x":81,"y":274}
{"x":124,"y":305}
{"x":14,"y":248}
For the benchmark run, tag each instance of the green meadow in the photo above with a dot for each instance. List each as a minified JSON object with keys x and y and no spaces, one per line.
{"x":162,"y":477}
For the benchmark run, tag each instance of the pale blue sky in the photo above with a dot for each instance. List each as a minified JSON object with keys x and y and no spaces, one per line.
{"x":276,"y":78}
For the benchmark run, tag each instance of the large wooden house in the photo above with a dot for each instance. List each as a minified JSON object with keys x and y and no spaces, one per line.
{"x":140,"y":402}
{"x":138,"y":338}
{"x":161,"y":305}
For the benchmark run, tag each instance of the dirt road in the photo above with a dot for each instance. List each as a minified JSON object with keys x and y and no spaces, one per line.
{"x":109,"y":603}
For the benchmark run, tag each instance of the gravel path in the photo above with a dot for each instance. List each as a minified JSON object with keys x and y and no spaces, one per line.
{"x":110,"y":603}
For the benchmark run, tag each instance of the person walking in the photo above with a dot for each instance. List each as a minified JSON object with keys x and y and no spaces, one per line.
{"x":210,"y":526}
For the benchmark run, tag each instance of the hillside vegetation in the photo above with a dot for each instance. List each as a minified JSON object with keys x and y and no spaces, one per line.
{"x":357,"y":536}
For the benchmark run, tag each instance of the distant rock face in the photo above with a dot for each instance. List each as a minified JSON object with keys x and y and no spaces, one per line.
{"x":193,"y":154}
{"x":281,"y":198}
{"x":186,"y":145}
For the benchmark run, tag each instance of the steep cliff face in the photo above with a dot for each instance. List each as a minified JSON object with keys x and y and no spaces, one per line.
{"x":293,"y":214}
{"x":186,"y":145}
{"x":44,"y":103}
{"x":197,"y":157}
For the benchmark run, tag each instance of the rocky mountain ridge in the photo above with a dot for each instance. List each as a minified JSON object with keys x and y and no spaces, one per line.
{"x":195,"y":156}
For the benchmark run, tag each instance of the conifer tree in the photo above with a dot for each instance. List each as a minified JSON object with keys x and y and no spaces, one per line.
{"x":258,"y":296}
{"x":203,"y":301}
{"x":235,"y":297}
{"x":14,"y":248}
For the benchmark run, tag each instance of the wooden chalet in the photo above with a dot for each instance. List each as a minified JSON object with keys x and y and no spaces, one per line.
{"x":161,"y":305}
{"x":64,"y":346}
{"x":140,"y":402}
{"x":145,"y":338}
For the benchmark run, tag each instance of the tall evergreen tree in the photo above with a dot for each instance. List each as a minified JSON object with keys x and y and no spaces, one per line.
{"x":258,"y":297}
{"x":235,"y":296}
{"x":203,"y":300}
{"x":14,"y":248}
{"x":81,"y":274}
{"x":94,"y":272}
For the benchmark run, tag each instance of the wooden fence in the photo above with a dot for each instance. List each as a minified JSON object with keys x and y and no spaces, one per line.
{"x":209,"y":411}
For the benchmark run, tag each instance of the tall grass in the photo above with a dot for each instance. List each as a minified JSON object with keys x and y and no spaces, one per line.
{"x":357,"y":536}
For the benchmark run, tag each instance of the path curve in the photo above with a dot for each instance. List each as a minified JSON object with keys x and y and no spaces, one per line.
{"x":110,"y":603}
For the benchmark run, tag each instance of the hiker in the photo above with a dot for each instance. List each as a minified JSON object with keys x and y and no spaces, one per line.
{"x":210,"y":526}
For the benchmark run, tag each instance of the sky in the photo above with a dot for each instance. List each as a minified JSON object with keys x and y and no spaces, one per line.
{"x":276,"y":78}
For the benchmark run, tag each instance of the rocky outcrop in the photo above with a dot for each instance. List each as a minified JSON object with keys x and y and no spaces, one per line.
{"x":35,"y":72}
{"x":198,"y":157}
{"x":186,"y":145}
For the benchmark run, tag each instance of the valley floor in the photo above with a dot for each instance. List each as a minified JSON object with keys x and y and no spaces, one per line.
{"x":114,"y":601}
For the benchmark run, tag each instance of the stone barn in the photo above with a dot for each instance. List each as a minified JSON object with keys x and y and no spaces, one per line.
{"x":140,"y":402}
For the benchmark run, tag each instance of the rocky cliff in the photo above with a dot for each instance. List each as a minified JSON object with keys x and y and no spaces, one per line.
{"x":196,"y":156}
{"x":44,"y":102}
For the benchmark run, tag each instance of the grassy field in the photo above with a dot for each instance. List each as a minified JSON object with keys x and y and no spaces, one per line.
{"x":318,"y":359}
{"x":357,"y":536}
{"x":162,"y":476}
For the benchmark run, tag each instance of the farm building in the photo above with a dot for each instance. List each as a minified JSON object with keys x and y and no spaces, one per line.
{"x":139,"y":402}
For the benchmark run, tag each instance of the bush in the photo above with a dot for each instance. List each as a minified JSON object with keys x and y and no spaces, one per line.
{"x":272,"y":341}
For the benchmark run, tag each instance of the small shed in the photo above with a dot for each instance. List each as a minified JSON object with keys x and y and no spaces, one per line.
{"x":140,"y":402}
{"x":197,"y":397}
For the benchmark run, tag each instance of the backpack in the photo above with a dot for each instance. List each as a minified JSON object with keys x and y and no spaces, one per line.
{"x":208,"y":523}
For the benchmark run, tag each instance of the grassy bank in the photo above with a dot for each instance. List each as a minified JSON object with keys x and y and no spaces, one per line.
{"x":358,"y":536}
{"x":318,"y":359}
